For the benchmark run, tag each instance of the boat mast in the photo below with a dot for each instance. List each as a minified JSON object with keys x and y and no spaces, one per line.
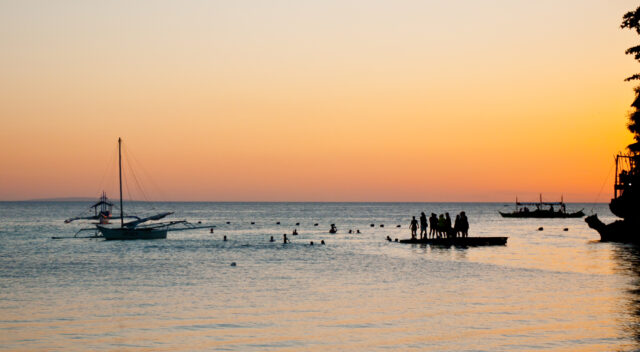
{"x":120,"y":176}
{"x":617,"y":180}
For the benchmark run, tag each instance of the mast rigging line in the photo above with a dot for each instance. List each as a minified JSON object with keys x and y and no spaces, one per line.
{"x":602,"y":187}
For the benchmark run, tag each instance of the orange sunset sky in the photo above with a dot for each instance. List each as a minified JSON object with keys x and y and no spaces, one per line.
{"x":315,"y":100}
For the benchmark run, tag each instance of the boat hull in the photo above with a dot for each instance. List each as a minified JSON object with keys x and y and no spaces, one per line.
{"x":543,"y":215}
{"x":125,"y":234}
{"x":460,"y":241}
{"x":624,"y":231}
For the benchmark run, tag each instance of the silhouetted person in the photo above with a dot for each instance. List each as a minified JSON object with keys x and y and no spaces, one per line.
{"x":433,"y":223}
{"x":456,"y":226}
{"x":350,"y":231}
{"x":333,"y":229}
{"x":295,"y":232}
{"x":423,"y":225}
{"x":322,"y":242}
{"x":271,"y":239}
{"x":388,"y":238}
{"x":464,"y":224}
{"x":358,"y":231}
{"x":211,"y":230}
{"x":447,"y":224}
{"x":225,"y":238}
{"x":285,"y":240}
{"x":441,"y":225}
{"x":414,"y":228}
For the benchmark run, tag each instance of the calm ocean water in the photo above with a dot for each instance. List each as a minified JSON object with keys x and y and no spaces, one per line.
{"x":550,"y":290}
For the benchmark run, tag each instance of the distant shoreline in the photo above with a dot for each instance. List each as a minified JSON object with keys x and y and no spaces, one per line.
{"x":90,"y":199}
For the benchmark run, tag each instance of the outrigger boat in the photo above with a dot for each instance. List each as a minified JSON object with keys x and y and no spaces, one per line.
{"x":137,"y":229}
{"x":625,"y":203}
{"x":542,"y":210}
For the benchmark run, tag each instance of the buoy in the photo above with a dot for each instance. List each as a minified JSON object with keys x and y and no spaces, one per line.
{"x":566,"y":229}
{"x":381,"y":225}
{"x":311,"y":243}
{"x":233,"y":263}
{"x":253,"y":223}
{"x":272,"y":240}
{"x":322,"y":242}
{"x":399,"y":226}
{"x":225,"y":238}
{"x":278,"y":223}
{"x":316,"y":224}
{"x":199,"y":222}
{"x":540,"y":228}
{"x":396,"y":240}
{"x":372,"y":225}
{"x":228,"y":222}
{"x":211,"y":231}
{"x":297,"y":224}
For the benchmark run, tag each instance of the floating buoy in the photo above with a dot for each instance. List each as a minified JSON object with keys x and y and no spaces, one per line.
{"x":272,"y":240}
{"x":253,"y":223}
{"x":199,"y":222}
{"x":316,"y":224}
{"x":399,"y":226}
{"x":297,"y":224}
{"x":381,"y":225}
{"x":228,"y":222}
{"x":311,"y":243}
{"x":566,"y":229}
{"x":233,"y":263}
{"x":540,"y":228}
{"x":225,"y":238}
{"x":278,"y":223}
{"x":211,"y":231}
{"x":396,"y":240}
{"x":372,"y":225}
{"x":322,"y":242}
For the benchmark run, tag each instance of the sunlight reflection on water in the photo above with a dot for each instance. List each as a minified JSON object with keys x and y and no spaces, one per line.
{"x":546,"y":290}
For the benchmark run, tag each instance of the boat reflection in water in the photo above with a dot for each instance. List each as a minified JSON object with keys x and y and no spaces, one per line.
{"x":627,"y":261}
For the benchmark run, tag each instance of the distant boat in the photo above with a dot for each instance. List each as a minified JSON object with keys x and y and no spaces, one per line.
{"x":137,"y":229}
{"x":101,"y":211}
{"x":542,"y":210}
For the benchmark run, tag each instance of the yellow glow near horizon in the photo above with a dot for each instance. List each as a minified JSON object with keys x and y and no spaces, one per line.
{"x":344,"y":101}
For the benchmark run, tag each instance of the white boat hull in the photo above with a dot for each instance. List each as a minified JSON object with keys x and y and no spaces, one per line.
{"x":123,"y":234}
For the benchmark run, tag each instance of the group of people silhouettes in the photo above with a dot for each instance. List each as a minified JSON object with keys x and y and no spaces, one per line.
{"x":440,"y":226}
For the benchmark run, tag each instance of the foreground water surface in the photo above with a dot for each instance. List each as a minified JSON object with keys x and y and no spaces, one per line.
{"x":550,"y":290}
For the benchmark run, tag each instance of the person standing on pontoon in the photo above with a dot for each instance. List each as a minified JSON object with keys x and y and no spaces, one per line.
{"x":414,"y":228}
{"x":423,"y":225}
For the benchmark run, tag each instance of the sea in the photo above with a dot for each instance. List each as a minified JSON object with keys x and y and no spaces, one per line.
{"x":553,"y":287}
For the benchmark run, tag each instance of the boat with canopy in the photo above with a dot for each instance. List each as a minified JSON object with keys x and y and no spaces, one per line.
{"x":140,"y":228}
{"x":542,"y":210}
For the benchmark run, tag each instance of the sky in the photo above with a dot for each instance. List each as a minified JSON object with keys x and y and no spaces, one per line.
{"x":432,"y":100}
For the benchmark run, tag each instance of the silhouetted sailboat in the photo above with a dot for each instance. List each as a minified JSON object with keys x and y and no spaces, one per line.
{"x":137,"y":229}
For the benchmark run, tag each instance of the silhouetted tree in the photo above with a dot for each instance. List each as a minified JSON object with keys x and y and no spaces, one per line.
{"x":631,"y":20}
